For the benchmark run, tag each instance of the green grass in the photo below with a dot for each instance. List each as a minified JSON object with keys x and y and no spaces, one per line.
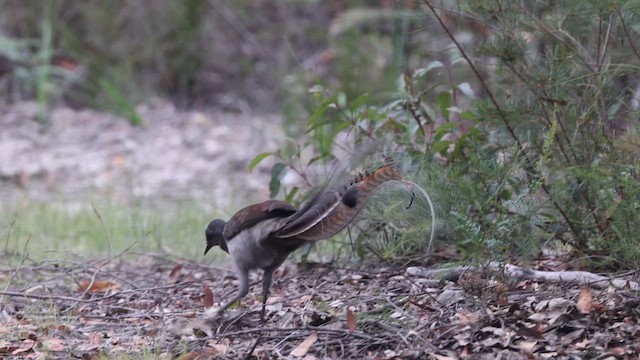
{"x":44,"y":231}
{"x":96,"y":229}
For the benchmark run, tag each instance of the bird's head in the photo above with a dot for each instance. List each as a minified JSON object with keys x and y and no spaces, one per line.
{"x":214,"y":235}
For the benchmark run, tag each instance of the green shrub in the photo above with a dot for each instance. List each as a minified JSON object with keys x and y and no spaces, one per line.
{"x":536,"y":149}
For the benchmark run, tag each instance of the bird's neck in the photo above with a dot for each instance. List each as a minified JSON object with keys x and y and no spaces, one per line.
{"x":223,"y":245}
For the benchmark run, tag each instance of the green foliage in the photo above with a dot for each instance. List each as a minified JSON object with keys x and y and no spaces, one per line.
{"x":136,"y":50}
{"x":197,"y":53}
{"x":553,"y":122}
{"x":518,"y":117}
{"x":560,"y":112}
{"x":256,"y":160}
{"x":277,"y":172}
{"x":28,"y":64}
{"x":524,"y":137}
{"x":46,"y":51}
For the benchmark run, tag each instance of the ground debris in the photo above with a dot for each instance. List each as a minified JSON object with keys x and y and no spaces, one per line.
{"x":55,"y":309}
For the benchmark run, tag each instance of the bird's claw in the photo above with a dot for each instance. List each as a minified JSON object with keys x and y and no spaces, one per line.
{"x":211,"y":314}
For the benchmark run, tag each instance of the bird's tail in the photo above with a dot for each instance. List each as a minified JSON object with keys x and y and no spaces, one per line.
{"x":330,"y":212}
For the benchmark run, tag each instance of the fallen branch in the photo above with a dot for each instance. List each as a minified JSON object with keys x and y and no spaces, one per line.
{"x":298,"y":331}
{"x":563,"y":277}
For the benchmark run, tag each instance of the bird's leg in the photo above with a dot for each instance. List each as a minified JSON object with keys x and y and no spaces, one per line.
{"x":243,"y":289}
{"x":266,"y":284}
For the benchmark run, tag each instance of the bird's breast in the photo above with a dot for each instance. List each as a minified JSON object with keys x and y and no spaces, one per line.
{"x":249,"y":249}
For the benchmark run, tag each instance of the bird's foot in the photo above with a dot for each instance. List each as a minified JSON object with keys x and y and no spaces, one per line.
{"x":212,"y":314}
{"x":214,"y":318}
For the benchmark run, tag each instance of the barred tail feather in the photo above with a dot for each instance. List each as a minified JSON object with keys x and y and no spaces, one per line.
{"x":352,"y":202}
{"x":321,"y":207}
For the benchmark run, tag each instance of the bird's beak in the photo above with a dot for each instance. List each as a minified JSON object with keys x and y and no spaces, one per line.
{"x":209,"y":246}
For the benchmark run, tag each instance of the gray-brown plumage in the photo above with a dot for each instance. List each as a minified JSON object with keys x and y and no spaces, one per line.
{"x":262,"y":236}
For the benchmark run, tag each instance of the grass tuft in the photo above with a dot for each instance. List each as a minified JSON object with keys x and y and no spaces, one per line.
{"x":47,"y":230}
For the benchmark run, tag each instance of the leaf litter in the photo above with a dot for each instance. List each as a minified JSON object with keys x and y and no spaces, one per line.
{"x":153,"y":307}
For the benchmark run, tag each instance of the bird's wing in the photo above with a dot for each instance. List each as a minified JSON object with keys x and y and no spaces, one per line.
{"x":314,"y":211}
{"x":351,"y":202}
{"x":253,"y":214}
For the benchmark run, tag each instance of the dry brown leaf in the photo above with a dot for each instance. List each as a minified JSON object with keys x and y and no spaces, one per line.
{"x":98,"y":286}
{"x":219,"y":348}
{"x":583,"y":344}
{"x":351,"y":321}
{"x":54,"y":344}
{"x":208,"y":297}
{"x":467,"y":317}
{"x":585,"y":301}
{"x":200,"y":355}
{"x":302,"y":348}
{"x":26,"y":346}
{"x":617,"y":351}
{"x":601,"y":309}
{"x":527,"y":346}
{"x":60,"y":328}
{"x":85,"y":348}
{"x":95,"y":338}
{"x":465,"y":352}
{"x":7,"y":347}
{"x":175,"y":273}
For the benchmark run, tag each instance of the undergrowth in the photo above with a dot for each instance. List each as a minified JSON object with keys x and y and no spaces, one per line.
{"x":525,"y":137}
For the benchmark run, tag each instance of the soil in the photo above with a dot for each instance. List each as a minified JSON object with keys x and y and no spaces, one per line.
{"x":175,"y":154}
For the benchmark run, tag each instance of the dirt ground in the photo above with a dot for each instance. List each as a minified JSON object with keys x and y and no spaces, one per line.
{"x":175,"y":154}
{"x":152,"y":306}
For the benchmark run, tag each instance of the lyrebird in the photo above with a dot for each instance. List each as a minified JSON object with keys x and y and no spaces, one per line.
{"x":262,"y":236}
